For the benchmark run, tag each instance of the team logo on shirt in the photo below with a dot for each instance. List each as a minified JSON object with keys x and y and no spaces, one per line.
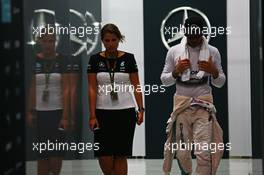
{"x":75,"y":67}
{"x":101,"y":64}
{"x":194,"y":72}
{"x":38,"y":65}
{"x":136,"y":66}
{"x":68,"y":67}
{"x":122,"y":66}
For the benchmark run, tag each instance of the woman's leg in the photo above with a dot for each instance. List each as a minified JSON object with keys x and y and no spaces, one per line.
{"x":107,"y":164}
{"x":43,"y":167}
{"x":120,"y":165}
{"x":55,"y":164}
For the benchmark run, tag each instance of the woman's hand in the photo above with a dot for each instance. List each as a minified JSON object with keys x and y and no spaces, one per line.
{"x":140,"y":117}
{"x":93,"y":123}
{"x":64,"y":124}
{"x":30,"y":119}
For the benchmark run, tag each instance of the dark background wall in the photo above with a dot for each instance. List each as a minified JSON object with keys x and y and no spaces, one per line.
{"x":256,"y":67}
{"x":12,"y":138}
{"x":159,"y":106}
{"x":257,"y":95}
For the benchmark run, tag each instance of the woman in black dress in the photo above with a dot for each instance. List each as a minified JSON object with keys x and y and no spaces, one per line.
{"x":112,"y":82}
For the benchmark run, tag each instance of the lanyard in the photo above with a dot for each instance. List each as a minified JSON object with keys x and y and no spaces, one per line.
{"x":111,"y":71}
{"x":47,"y":70}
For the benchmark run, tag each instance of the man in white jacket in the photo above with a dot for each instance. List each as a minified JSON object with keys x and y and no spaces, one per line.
{"x":194,"y":124}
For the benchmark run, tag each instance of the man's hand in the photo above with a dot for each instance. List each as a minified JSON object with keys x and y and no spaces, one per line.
{"x":209,"y":67}
{"x":181,"y":66}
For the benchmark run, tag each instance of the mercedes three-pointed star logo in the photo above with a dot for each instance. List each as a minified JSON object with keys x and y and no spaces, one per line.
{"x":178,"y":35}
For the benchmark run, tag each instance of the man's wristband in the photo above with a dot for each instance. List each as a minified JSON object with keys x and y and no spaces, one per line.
{"x":174,"y":74}
{"x":216,"y":75}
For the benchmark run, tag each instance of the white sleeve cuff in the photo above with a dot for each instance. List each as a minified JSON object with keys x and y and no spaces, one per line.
{"x":167,"y":79}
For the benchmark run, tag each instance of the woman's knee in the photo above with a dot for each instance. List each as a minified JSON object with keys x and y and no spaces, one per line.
{"x":106,"y":164}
